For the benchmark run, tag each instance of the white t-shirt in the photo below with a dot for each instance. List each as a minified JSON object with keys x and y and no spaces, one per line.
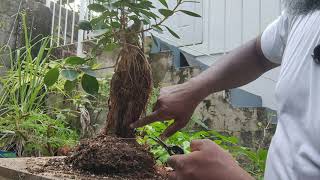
{"x":295,"y":148}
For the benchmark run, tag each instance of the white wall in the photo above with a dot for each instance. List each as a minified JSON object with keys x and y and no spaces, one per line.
{"x":226,"y":24}
{"x":190,"y":29}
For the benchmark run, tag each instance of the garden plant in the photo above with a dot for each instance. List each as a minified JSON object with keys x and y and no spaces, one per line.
{"x":28,"y":126}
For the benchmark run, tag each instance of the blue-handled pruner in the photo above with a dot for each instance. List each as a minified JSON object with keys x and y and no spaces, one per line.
{"x":172,"y":150}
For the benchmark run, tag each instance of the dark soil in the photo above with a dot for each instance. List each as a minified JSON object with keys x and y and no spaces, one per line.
{"x":104,"y":157}
{"x":111,"y":156}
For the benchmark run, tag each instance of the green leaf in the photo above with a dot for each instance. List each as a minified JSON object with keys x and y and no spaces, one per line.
{"x":97,"y":8}
{"x":90,"y":84}
{"x":85,"y":25}
{"x":70,"y":74}
{"x":164,"y":2}
{"x":115,"y":24}
{"x":89,"y":72}
{"x":190,"y":13}
{"x":262,"y":153}
{"x":166,"y":12}
{"x":70,"y":85}
{"x":233,"y":139}
{"x":51,"y":77}
{"x":157,"y":28}
{"x":172,"y":32}
{"x":74,"y":60}
{"x":149,"y":14}
{"x":111,"y":46}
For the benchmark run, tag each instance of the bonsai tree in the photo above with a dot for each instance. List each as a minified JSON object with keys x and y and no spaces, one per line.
{"x":118,"y":24}
{"x":121,"y":24}
{"x":124,"y":22}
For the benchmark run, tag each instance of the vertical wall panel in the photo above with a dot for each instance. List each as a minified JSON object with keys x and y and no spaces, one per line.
{"x":190,"y":29}
{"x":251,"y":19}
{"x":217,"y":25}
{"x":233,"y":24}
{"x":270,"y":9}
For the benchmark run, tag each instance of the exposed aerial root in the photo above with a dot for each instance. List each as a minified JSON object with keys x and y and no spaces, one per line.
{"x":130,"y":89}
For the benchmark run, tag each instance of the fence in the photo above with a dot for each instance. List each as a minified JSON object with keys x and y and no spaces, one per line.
{"x":66,"y":14}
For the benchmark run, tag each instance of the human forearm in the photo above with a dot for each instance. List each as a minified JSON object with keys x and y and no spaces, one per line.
{"x":235,"y":69}
{"x":178,"y":102}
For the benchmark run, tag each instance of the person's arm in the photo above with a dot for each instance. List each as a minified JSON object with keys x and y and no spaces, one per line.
{"x":240,"y":67}
{"x":235,"y":69}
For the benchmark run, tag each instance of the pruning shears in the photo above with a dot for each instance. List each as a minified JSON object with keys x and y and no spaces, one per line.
{"x":172,"y":150}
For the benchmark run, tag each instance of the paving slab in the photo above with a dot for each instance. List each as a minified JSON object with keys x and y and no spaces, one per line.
{"x":21,"y":168}
{"x":33,"y":169}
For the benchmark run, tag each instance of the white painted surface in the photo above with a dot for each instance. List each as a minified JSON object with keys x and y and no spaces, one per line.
{"x":225,"y":24}
{"x":190,"y":29}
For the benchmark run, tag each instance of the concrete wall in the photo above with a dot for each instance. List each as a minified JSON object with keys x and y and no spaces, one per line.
{"x":8,"y":30}
{"x":10,"y":21}
{"x":247,"y":124}
{"x":7,"y":16}
{"x":11,"y":30}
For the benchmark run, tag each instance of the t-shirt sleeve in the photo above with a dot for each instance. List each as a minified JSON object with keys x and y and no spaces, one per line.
{"x":274,"y":39}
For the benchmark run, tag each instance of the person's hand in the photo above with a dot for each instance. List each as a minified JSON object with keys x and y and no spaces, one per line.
{"x":206,"y":162}
{"x":176,"y":102}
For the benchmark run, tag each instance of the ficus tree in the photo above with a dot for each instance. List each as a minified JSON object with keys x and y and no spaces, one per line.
{"x":121,"y":24}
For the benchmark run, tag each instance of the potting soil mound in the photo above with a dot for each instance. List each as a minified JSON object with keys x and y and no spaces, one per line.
{"x":107,"y":155}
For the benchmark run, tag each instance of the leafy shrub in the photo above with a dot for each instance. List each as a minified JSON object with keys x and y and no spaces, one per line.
{"x":25,"y":125}
{"x":252,"y":161}
{"x":35,"y":134}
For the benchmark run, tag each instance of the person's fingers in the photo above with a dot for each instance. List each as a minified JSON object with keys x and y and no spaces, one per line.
{"x":153,"y":117}
{"x":196,"y":145}
{"x":176,"y":162}
{"x":200,"y":145}
{"x":172,"y":176}
{"x":173,"y":128}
